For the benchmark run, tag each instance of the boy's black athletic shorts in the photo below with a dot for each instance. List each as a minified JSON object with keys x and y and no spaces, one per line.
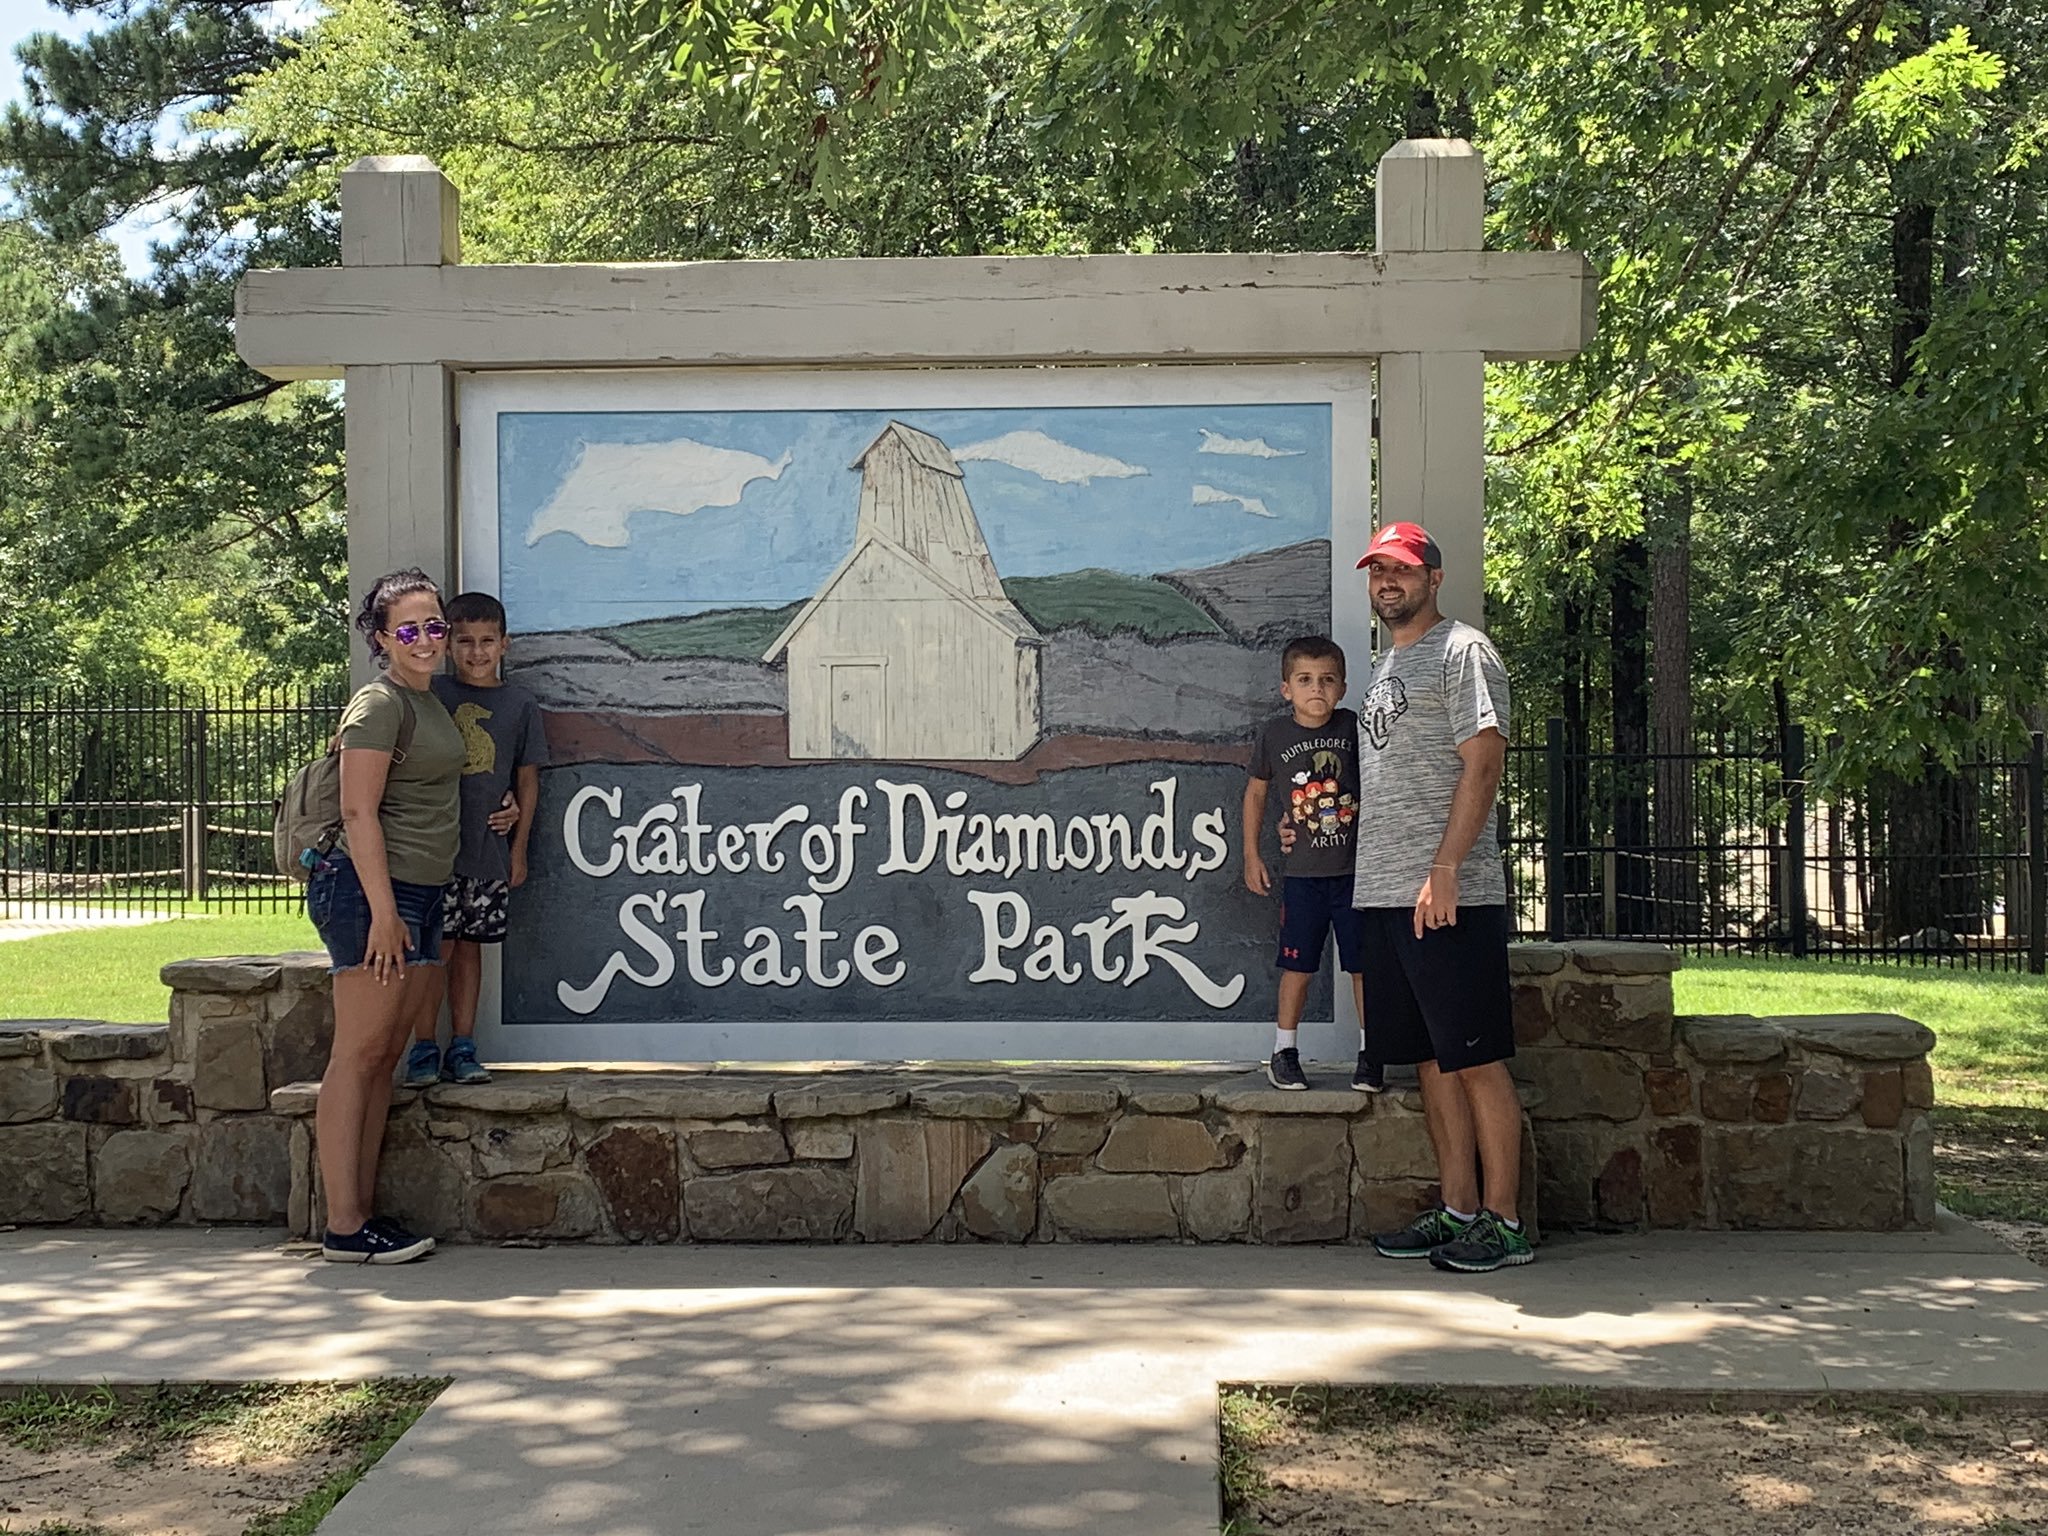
{"x":1442,"y":997}
{"x":1311,"y":909}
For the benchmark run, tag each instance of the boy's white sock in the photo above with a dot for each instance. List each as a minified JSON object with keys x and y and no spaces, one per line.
{"x":1285,"y":1039}
{"x":1361,"y":1037}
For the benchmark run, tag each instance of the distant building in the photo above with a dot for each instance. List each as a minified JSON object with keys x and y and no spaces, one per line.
{"x":911,"y":649}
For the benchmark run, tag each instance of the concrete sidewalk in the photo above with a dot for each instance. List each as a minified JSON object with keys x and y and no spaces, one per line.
{"x":920,"y":1390}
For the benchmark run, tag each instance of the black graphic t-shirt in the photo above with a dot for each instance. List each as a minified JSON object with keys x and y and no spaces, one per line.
{"x":1314,"y":776}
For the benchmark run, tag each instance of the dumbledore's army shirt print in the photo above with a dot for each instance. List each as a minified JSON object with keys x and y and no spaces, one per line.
{"x":1313,"y":776}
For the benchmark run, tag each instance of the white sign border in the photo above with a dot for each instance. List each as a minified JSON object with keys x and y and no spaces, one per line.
{"x":1347,"y":389}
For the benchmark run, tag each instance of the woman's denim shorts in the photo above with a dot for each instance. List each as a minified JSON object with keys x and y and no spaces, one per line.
{"x":341,"y":914}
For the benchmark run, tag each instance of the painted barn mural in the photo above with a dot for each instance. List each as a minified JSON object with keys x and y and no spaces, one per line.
{"x":901,"y":712}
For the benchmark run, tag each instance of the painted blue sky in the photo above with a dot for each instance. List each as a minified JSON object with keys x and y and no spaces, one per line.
{"x":581,"y":543}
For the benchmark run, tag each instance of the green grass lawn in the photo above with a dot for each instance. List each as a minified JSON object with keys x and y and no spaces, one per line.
{"x":111,"y":973}
{"x":1991,"y":1027}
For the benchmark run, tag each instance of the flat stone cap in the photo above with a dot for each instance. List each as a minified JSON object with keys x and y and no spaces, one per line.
{"x":1860,"y":1036}
{"x":81,"y":1040}
{"x":224,"y":973}
{"x":1724,"y":1038}
{"x":1536,"y":959}
{"x":1613,"y":957}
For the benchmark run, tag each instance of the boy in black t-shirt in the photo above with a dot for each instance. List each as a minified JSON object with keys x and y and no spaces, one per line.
{"x":1312,"y":754}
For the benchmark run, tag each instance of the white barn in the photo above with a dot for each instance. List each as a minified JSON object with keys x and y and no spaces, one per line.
{"x":911,"y":649}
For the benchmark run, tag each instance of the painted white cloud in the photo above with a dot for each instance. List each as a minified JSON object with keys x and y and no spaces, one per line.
{"x":1049,"y":458}
{"x":610,"y":481}
{"x":1209,"y":496}
{"x":1248,"y":447}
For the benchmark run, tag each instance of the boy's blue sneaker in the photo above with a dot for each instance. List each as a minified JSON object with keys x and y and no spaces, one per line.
{"x":460,"y":1064}
{"x":1368,"y":1076}
{"x":422,"y":1065}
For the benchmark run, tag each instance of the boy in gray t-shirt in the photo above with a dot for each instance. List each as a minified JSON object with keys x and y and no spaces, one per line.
{"x":505,"y":749}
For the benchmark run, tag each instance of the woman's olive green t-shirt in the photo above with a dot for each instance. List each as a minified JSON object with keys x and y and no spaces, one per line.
{"x":422,"y":810}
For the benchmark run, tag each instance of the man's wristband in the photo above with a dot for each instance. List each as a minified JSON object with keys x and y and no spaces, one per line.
{"x":1443,"y":866}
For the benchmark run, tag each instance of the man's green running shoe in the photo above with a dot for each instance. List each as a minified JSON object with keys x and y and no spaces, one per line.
{"x":1488,"y":1244}
{"x":1431,"y":1230}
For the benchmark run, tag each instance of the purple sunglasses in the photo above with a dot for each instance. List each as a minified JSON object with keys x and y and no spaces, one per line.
{"x":409,"y":634}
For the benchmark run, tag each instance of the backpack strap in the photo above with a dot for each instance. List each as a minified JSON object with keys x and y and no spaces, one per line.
{"x":407,"y":724}
{"x":403,"y":747}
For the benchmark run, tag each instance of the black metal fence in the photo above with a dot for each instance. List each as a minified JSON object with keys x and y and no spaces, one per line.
{"x":1723,"y":845}
{"x":162,"y":801}
{"x":156,"y":800}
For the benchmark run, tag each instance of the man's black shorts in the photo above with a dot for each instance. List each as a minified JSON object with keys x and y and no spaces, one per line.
{"x":1442,"y":997}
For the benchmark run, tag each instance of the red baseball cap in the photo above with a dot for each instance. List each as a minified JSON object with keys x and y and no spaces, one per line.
{"x":1405,"y":542}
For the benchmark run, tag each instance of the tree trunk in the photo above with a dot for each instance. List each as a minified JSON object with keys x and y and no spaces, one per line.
{"x":1931,"y":882}
{"x":1580,"y":900}
{"x":1629,"y":693}
{"x":1668,"y":527}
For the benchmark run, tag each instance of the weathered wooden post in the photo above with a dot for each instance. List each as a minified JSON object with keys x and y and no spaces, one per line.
{"x":399,"y":211}
{"x":1431,"y":196}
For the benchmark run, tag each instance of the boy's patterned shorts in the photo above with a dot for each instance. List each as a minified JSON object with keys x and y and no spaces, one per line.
{"x":475,"y":910}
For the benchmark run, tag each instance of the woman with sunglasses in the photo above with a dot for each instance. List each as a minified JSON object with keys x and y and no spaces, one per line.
{"x":376,"y":899}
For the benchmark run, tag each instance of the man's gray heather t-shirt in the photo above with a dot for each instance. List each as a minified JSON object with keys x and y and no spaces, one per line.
{"x":1426,"y":700}
{"x":1313,"y":778}
{"x":501,"y":731}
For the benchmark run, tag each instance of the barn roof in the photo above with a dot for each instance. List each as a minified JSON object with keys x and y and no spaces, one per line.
{"x":914,"y":504}
{"x":924,"y":448}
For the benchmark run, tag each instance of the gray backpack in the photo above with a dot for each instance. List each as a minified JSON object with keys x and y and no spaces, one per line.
{"x":308,"y":813}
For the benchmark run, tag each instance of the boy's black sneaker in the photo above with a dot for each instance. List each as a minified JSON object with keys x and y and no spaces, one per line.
{"x":376,"y":1243}
{"x":1283,"y":1070}
{"x":1368,"y":1076}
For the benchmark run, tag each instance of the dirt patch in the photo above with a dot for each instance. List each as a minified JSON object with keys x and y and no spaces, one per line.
{"x":259,"y":1460}
{"x":1993,"y":1162}
{"x":1312,"y":1461}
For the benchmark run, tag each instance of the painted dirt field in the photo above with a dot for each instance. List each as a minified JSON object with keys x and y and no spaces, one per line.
{"x":1394,"y":1462}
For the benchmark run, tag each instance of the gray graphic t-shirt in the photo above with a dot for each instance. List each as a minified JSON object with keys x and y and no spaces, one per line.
{"x":1314,"y":779}
{"x":501,"y":731}
{"x":1426,"y":700}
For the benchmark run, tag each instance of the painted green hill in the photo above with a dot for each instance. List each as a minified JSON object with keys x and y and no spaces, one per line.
{"x":1100,"y":602}
{"x":733,"y":634}
{"x":1108,"y":603}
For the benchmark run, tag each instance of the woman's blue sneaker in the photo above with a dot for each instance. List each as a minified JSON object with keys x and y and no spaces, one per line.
{"x":422,"y":1065}
{"x":376,"y":1243}
{"x":460,"y":1064}
{"x":393,"y":1230}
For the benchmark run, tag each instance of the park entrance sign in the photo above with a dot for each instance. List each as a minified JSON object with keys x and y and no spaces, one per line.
{"x":900,"y":624}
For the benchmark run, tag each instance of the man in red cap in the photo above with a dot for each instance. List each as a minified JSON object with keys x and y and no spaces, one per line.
{"x":1432,"y":739}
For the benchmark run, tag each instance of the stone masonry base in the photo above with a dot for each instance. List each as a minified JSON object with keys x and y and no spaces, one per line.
{"x":1634,"y":1118}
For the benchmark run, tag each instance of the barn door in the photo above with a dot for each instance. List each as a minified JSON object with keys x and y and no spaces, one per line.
{"x":858,"y":704}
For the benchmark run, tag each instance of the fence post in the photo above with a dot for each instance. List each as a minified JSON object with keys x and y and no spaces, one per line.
{"x":2037,"y":858}
{"x":1553,"y":827}
{"x":1793,"y":774}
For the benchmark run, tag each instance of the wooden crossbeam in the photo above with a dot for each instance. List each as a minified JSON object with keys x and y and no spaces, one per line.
{"x":313,"y":323}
